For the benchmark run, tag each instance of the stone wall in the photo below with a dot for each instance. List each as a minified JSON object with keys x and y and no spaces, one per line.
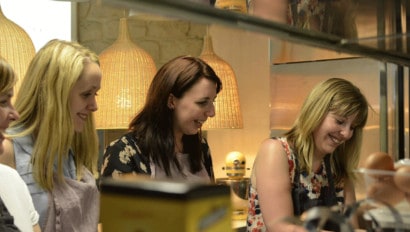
{"x":162,"y":38}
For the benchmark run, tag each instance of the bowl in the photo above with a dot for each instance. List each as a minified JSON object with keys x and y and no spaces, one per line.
{"x":385,"y":204}
{"x":239,"y":195}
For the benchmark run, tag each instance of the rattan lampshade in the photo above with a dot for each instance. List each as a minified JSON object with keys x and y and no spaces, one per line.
{"x":127,"y":72}
{"x":16,"y":47}
{"x":227,"y":107}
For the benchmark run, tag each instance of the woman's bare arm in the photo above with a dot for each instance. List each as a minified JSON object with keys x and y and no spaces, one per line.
{"x":274,"y":187}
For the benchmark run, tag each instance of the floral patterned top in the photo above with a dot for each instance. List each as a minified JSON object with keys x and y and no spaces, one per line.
{"x":124,"y":156}
{"x":315,"y":190}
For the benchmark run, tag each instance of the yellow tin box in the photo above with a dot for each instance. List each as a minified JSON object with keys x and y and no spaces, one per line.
{"x":152,"y":206}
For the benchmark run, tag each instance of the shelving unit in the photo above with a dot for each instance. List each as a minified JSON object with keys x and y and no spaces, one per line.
{"x":389,"y":50}
{"x":388,"y":43}
{"x":185,"y":9}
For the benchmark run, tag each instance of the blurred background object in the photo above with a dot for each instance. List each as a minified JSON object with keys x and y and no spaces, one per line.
{"x":235,"y":167}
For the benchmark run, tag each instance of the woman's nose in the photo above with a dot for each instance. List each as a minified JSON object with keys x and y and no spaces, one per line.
{"x":13,"y":115}
{"x":211,"y":111}
{"x":93,"y":106}
{"x":347,"y":132}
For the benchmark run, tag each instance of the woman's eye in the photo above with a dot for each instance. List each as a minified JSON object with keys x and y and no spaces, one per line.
{"x":88,"y":94}
{"x":5,"y":101}
{"x":202,"y":103}
{"x":353,"y":127}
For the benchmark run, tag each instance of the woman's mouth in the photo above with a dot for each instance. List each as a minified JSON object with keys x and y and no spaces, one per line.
{"x":199,"y":123}
{"x":82,"y":116}
{"x":336,"y":140}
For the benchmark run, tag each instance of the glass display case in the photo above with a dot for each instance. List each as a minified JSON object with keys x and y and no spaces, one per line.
{"x":365,"y":41}
{"x":323,"y":30}
{"x":376,"y":29}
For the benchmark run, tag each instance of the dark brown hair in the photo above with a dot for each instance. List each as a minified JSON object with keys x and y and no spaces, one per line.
{"x":153,"y":126}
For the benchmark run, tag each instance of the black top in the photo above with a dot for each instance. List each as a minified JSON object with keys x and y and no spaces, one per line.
{"x":6,"y":220}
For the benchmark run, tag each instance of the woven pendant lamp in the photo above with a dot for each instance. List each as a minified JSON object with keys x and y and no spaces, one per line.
{"x":227,"y":108}
{"x":127,"y":72}
{"x":16,"y":47}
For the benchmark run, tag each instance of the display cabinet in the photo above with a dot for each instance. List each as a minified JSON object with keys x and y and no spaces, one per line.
{"x":365,"y":41}
{"x":376,"y":30}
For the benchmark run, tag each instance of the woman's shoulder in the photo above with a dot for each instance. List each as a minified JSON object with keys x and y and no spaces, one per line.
{"x":272,"y":148}
{"x":8,"y":173}
{"x":126,"y":143}
{"x":275,"y":143}
{"x":123,"y":155}
{"x":122,"y":141}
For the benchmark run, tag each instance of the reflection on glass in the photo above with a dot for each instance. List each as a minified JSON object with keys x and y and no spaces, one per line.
{"x":377,"y":24}
{"x":336,"y":17}
{"x":275,"y":10}
{"x":233,"y":5}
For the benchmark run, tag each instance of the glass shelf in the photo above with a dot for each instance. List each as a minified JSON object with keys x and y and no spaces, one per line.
{"x":373,"y":16}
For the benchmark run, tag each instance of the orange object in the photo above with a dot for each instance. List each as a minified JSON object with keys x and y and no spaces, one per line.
{"x":379,"y":161}
{"x":402,"y":178}
{"x":380,"y":174}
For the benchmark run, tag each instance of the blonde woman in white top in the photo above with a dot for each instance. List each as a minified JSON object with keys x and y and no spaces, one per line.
{"x":13,"y":191}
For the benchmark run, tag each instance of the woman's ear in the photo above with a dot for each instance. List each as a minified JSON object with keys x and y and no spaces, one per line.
{"x":171,"y":101}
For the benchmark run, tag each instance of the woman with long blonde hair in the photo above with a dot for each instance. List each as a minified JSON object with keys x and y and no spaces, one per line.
{"x":53,"y":144}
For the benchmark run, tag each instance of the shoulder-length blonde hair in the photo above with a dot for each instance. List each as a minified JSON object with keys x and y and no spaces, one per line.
{"x":44,"y":107}
{"x":342,"y":98}
{"x":7,"y":76}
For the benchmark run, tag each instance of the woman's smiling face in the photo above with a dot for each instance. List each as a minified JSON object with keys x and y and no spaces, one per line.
{"x":83,"y":95}
{"x":7,"y":113}
{"x":194,"y":107}
{"x":331,"y":132}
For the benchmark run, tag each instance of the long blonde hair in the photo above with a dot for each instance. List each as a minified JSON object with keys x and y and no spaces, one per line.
{"x":43,"y":104}
{"x":342,"y":98}
{"x":7,"y":76}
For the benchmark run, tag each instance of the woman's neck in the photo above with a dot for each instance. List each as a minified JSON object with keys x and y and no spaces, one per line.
{"x":179,"y":145}
{"x":317,"y":162}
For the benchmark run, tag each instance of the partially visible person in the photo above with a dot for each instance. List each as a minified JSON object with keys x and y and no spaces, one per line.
{"x":17,"y":211}
{"x":312,"y":164}
{"x":273,"y":10}
{"x":333,"y":17}
{"x":54,"y":145}
{"x":165,"y":138}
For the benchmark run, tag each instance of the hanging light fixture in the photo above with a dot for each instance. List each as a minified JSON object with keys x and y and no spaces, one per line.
{"x":127,"y":72}
{"x":16,"y":47}
{"x":227,"y":108}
